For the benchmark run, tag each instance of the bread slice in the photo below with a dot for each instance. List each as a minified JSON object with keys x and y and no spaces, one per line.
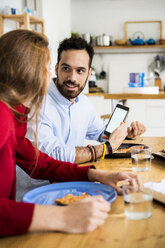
{"x":69,"y":198}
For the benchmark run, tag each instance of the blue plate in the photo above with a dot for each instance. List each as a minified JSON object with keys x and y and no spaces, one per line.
{"x":46,"y":195}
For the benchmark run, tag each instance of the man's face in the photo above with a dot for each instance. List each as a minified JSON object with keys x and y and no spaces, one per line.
{"x":72,"y":73}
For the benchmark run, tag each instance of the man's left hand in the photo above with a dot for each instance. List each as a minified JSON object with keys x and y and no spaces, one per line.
{"x":135,"y":130}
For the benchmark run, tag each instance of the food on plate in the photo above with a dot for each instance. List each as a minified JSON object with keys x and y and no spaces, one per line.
{"x":126,"y":150}
{"x":69,"y":198}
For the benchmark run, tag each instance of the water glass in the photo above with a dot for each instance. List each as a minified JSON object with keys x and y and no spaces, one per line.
{"x":141,"y":158}
{"x":137,"y":200}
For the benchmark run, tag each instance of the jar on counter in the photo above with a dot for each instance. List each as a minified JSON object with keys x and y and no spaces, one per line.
{"x":106,"y":40}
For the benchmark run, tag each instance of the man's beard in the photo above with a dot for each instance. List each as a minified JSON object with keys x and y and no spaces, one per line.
{"x":69,"y":94}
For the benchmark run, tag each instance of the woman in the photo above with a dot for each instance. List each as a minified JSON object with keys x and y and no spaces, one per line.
{"x":24,"y":78}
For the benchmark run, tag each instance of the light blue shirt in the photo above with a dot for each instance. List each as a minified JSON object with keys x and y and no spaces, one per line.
{"x":64,"y":125}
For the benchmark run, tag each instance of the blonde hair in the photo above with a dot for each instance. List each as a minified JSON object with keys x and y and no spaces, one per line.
{"x":24,"y":56}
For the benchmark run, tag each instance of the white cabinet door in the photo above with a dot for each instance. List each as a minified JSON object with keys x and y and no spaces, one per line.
{"x":149,"y":112}
{"x":137,"y":111}
{"x":102,"y":106}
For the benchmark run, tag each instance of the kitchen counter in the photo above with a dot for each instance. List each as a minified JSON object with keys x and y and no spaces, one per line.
{"x":125,"y":96}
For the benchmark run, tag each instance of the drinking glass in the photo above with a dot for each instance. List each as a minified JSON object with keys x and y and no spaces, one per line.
{"x":141,"y":158}
{"x":138,"y":199}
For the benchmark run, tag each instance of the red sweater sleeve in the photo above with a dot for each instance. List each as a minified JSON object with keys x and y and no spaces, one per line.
{"x":47,"y":167}
{"x":15,"y":217}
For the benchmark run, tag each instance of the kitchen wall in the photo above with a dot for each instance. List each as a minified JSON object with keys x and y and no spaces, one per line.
{"x":108,"y":16}
{"x":56,"y":15}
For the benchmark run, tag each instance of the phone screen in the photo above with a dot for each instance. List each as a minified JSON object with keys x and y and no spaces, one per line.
{"x":117,"y":117}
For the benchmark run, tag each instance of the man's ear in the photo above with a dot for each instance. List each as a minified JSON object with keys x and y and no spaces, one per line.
{"x":56,"y":69}
{"x":89,"y":74}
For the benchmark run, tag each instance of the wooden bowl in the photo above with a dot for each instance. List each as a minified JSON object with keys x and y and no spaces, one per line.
{"x":120,"y":42}
{"x":162,"y":41}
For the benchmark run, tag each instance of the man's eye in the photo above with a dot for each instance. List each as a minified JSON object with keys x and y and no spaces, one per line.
{"x":80,"y":71}
{"x":65,"y":68}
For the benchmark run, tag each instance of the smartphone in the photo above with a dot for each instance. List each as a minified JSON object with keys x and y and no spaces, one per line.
{"x":119,"y":115}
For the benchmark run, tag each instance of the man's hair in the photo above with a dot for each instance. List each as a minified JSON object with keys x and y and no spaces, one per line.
{"x":75,"y":43}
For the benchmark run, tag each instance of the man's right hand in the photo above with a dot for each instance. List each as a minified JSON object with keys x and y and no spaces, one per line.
{"x":118,"y":135}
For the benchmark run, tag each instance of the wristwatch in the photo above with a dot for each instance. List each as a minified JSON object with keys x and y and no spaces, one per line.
{"x":109,"y":147}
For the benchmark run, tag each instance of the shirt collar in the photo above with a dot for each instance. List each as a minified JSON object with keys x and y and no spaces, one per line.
{"x":55,"y":93}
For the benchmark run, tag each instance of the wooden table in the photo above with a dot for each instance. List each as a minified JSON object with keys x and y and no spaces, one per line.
{"x":117,"y":231}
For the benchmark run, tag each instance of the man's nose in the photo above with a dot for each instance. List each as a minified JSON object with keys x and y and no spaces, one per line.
{"x":73,"y":76}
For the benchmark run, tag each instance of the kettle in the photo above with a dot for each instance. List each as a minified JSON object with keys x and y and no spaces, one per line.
{"x":151,"y":41}
{"x":138,"y":41}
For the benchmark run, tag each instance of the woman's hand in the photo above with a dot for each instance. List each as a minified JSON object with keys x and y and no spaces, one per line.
{"x":85,"y":215}
{"x":82,"y":216}
{"x":113,"y":178}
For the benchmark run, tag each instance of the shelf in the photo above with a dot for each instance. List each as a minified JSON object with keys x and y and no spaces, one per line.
{"x":24,"y":19}
{"x":125,"y":96}
{"x":129,"y":49}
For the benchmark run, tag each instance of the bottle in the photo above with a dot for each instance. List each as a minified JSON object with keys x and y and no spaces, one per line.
{"x":142,"y":75}
{"x":158,"y":83}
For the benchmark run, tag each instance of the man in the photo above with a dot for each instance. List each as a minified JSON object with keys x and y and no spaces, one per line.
{"x":68,"y":118}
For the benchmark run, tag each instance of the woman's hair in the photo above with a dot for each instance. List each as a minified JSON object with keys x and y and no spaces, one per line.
{"x":24,"y":57}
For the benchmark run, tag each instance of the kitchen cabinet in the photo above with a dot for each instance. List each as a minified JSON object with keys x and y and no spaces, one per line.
{"x":24,"y":20}
{"x":151,"y":113}
{"x":102,"y":106}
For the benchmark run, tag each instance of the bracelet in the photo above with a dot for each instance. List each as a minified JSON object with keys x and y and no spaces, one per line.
{"x":95,"y":153}
{"x":102,"y":157}
{"x":109,"y":147}
{"x":92,"y":153}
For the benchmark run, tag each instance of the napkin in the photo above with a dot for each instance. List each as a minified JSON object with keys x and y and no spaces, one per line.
{"x":158,"y":190}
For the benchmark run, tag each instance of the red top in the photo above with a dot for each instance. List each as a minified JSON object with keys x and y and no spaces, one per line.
{"x":15,"y":217}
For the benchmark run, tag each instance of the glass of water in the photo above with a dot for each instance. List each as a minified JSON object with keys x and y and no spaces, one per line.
{"x":141,"y":158}
{"x":138,"y":200}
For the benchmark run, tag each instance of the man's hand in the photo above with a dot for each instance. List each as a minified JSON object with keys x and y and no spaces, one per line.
{"x":112,"y":178}
{"x":118,"y":135}
{"x":135,"y":130}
